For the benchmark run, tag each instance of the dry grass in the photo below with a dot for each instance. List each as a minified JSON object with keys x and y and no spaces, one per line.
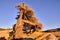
{"x":5,"y":33}
{"x":56,"y":33}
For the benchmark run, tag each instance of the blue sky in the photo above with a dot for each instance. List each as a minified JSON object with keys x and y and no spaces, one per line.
{"x":47,"y":12}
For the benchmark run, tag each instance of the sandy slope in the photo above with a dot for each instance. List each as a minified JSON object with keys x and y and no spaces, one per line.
{"x":56,"y":33}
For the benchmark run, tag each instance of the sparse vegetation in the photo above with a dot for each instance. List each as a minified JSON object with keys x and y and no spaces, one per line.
{"x":5,"y":32}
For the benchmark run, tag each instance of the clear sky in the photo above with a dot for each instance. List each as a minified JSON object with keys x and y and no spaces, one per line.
{"x":47,"y":12}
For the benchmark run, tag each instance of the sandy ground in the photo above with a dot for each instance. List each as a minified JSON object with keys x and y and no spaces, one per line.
{"x":56,"y":33}
{"x":4,"y":33}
